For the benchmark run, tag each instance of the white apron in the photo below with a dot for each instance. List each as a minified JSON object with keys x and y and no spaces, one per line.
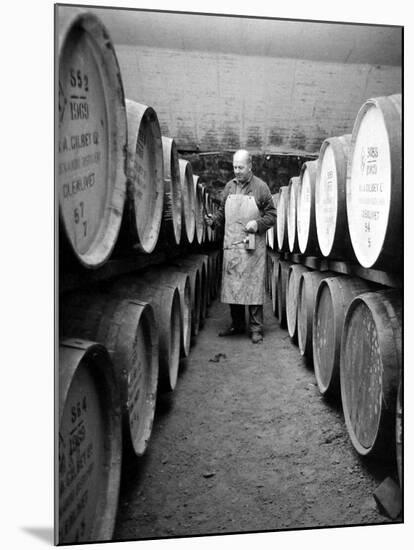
{"x":243,"y":280}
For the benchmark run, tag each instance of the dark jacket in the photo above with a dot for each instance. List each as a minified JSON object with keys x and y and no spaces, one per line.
{"x":260,"y":191}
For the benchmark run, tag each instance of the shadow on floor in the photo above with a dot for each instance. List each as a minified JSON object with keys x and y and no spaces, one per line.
{"x":43,"y":533}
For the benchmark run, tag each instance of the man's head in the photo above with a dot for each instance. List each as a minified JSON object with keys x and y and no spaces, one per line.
{"x":242,"y":165}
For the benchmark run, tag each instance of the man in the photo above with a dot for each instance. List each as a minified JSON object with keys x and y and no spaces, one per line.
{"x":246,"y":208}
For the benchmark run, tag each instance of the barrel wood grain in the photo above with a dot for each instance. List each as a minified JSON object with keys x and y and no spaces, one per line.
{"x":89,"y":443}
{"x":370,"y":365}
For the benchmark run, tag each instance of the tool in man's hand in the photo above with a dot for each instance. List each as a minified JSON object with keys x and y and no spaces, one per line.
{"x":249,"y":241}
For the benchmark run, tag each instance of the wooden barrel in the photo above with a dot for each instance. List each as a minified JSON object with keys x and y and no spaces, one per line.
{"x":211,"y":276}
{"x":92,"y":138}
{"x":374,"y":184}
{"x":193,"y":271}
{"x":270,"y":238}
{"x":292,"y":294}
{"x":215,"y":273}
{"x":188,"y":199}
{"x":171,"y":216}
{"x":90,"y":443}
{"x":274,"y":284}
{"x":202,"y":260}
{"x":207,"y":208}
{"x":281,"y":220}
{"x":165,"y":300}
{"x":308,"y":286}
{"x":203,"y":192}
{"x":305,"y":218}
{"x":291,"y":214}
{"x":370,"y":364}
{"x":145,"y":185}
{"x":399,"y":432}
{"x":270,"y":234}
{"x":282,"y":277}
{"x":217,"y":231}
{"x":198,"y":211}
{"x":181,"y":281}
{"x":333,"y":297}
{"x":199,"y":262}
{"x":330,"y":198}
{"x":269,"y":271}
{"x":127,"y":329}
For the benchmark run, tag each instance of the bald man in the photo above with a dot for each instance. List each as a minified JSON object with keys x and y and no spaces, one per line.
{"x":246,"y":207}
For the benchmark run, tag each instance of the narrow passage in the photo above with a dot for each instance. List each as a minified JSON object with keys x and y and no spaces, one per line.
{"x":245,"y":443}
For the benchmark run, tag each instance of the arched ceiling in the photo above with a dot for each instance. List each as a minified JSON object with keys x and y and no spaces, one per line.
{"x":317,"y":41}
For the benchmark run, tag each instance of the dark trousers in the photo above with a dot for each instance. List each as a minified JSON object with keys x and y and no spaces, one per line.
{"x":238,"y":313}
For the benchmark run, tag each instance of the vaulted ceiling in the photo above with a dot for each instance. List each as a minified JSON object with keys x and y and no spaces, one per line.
{"x":317,"y":41}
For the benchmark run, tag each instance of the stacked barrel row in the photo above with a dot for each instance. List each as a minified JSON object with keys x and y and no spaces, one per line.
{"x":121,"y":344}
{"x":347,"y":204}
{"x":350,"y":329}
{"x":122,"y":340}
{"x":114,"y":167}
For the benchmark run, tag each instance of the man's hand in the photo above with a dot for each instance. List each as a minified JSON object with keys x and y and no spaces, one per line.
{"x":251,"y":226}
{"x":208,"y":218}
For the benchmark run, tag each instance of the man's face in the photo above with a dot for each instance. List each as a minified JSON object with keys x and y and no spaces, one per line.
{"x":242,"y":169}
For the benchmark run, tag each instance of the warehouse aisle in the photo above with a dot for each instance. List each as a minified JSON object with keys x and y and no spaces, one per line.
{"x":245,"y":443}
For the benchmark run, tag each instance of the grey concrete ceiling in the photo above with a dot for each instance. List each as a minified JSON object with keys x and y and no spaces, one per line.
{"x":330,"y":42}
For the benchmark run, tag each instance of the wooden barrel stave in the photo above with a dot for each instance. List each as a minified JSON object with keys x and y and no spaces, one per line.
{"x":177,"y":279}
{"x":274,"y":284}
{"x":305,"y":219}
{"x":334,"y":294}
{"x":197,"y":262}
{"x":90,"y":443}
{"x":374,"y":184}
{"x":92,"y":139}
{"x":283,"y":271}
{"x":171,"y":217}
{"x":198,"y":211}
{"x":370,"y":365}
{"x":215,"y":273}
{"x":308,"y":285}
{"x":292,"y":214}
{"x":202,"y":262}
{"x":330,"y":199}
{"x":207,"y":207}
{"x":188,"y":199}
{"x":270,"y":234}
{"x":292,"y":293}
{"x":126,"y":327}
{"x":281,"y":220}
{"x":165,"y":300}
{"x":145,"y":171}
{"x":193,"y":272}
{"x":212,"y":274}
{"x":269,"y":272}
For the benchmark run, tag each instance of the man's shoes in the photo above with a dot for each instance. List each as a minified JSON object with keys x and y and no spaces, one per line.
{"x":231,"y":331}
{"x":257,"y":338}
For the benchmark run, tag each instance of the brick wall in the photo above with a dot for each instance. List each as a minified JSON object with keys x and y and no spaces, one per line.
{"x":215,"y":102}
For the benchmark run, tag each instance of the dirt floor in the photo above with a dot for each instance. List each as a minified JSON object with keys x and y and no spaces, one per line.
{"x":246,"y":443}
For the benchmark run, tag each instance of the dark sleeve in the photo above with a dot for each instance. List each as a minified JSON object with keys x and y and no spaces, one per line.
{"x":267,"y":210}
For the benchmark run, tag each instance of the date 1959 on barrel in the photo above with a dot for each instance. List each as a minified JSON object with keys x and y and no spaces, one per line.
{"x":79,"y":82}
